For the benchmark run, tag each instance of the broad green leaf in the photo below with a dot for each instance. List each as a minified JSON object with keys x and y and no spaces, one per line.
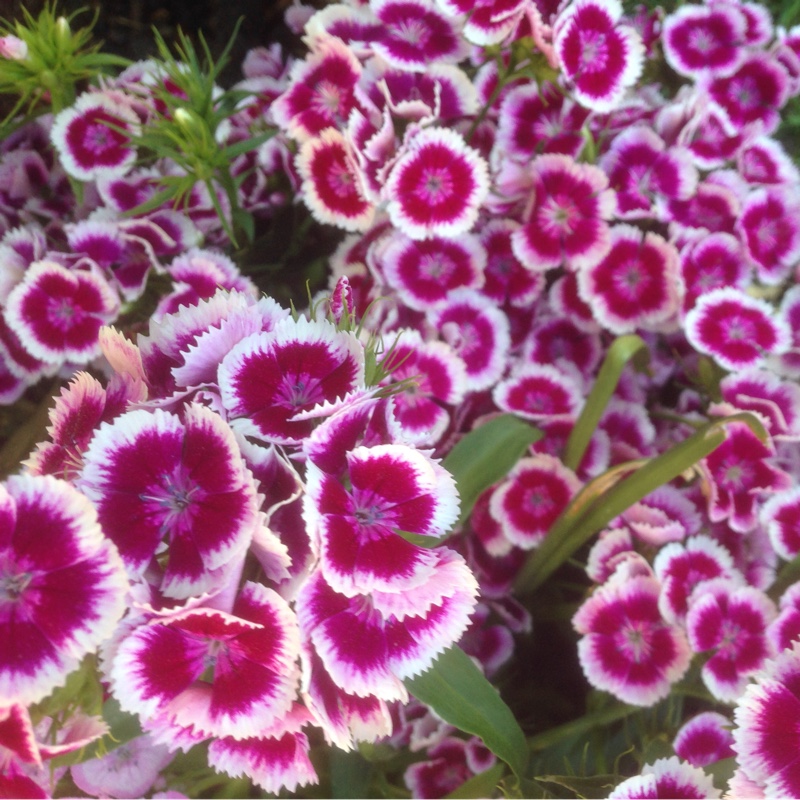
{"x":460,"y":694}
{"x":608,"y":495}
{"x":486,"y":455}
{"x":351,"y":774}
{"x":482,"y":785}
{"x":622,"y":350}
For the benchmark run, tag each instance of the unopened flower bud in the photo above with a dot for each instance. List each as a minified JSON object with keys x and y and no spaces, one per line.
{"x":13,"y":48}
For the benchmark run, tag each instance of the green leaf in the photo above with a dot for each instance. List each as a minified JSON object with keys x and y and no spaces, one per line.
{"x":460,"y":694}
{"x":351,"y":774}
{"x":485,"y":456}
{"x":594,"y":786}
{"x":622,"y":350}
{"x":608,"y":495}
{"x":580,"y":727}
{"x":482,"y":785}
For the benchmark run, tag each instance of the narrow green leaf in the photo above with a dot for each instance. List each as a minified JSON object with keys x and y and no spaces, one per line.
{"x":580,"y":726}
{"x":482,"y":785}
{"x":622,"y":350}
{"x":460,"y":694}
{"x":418,"y":539}
{"x":486,"y":454}
{"x":594,"y":786}
{"x":246,"y":145}
{"x":608,"y":495}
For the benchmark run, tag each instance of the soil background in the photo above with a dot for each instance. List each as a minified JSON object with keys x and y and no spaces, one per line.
{"x":126,"y":26}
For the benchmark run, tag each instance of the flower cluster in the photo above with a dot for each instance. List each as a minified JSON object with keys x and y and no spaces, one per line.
{"x":255,"y":511}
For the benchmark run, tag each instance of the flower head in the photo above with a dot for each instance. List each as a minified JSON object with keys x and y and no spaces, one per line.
{"x":600,"y":56}
{"x":436,"y":185}
{"x":155,"y":477}
{"x":62,"y":585}
{"x":626,"y":646}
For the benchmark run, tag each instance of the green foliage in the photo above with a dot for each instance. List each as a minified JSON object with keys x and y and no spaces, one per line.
{"x":189,"y":132}
{"x":616,"y":490}
{"x":486,"y":455}
{"x":57,"y":62}
{"x":458,"y":692}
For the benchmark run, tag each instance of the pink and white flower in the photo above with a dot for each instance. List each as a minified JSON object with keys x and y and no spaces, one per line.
{"x":739,"y":475}
{"x":731,"y":621}
{"x":735,"y":329}
{"x":437,"y":185}
{"x":539,"y":392}
{"x":478,"y":332}
{"x":667,"y":777}
{"x":332,"y":182}
{"x":94,"y":136}
{"x":219,"y":673}
{"x":424,"y":272}
{"x":766,"y":737}
{"x":268,"y":378}
{"x":704,"y":739}
{"x":156,"y":478}
{"x":680,"y":567}
{"x":531,"y":498}
{"x":780,"y":515}
{"x":58,"y":312}
{"x":752,"y":95}
{"x":700,"y":40}
{"x":356,"y":517}
{"x":417,"y":34}
{"x":129,"y":770}
{"x":635,"y":284}
{"x":369,"y":643}
{"x":600,"y":55}
{"x":770,"y":230}
{"x":62,"y":585}
{"x":626,"y":646}
{"x":321,"y":91}
{"x":568,"y":219}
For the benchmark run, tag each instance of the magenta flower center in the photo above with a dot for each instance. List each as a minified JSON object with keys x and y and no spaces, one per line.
{"x":298,"y":390}
{"x":559,"y":215}
{"x":634,"y":642}
{"x":328,"y":97}
{"x":594,"y":50}
{"x":436,"y":185}
{"x":12,"y":586}
{"x":174,"y":502}
{"x":60,"y":313}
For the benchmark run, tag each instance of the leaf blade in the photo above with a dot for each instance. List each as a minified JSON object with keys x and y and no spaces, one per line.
{"x":461,"y":695}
